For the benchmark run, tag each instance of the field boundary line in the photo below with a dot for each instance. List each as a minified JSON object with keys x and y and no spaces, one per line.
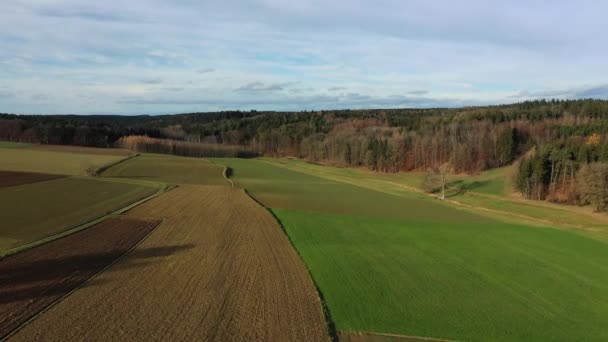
{"x":421,"y":338}
{"x":103,"y":168}
{"x":330,"y":325}
{"x":84,"y":225}
{"x":58,"y":300}
{"x":225,"y":172}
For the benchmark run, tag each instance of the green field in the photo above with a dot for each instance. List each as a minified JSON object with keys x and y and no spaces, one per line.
{"x":55,"y":159}
{"x":392,"y":261}
{"x":10,"y":144}
{"x":34,"y":211}
{"x":488,"y":193}
{"x":169,"y":169}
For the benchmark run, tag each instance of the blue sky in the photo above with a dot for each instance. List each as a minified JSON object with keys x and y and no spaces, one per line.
{"x":153,"y":56}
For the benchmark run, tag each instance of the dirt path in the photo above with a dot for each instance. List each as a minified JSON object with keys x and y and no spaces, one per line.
{"x":36,"y":278}
{"x":232,"y":276}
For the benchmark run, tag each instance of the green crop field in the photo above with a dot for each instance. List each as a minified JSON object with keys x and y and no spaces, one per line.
{"x":54,"y":159}
{"x":10,"y":144}
{"x":482,"y":195}
{"x":169,"y":169}
{"x":34,"y":211}
{"x":391,"y":261}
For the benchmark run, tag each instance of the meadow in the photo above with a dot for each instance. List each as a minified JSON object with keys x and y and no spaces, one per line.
{"x":168,"y":169}
{"x":63,"y":160}
{"x":489,"y":193}
{"x":395,"y":261}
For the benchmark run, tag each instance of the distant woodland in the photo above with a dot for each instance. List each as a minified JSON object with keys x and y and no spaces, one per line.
{"x":561,"y":147}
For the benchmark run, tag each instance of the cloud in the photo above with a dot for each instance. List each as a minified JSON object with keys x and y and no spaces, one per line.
{"x":336,"y":88}
{"x":74,"y":11}
{"x":205,"y":71}
{"x":39,"y":97}
{"x":313,"y":102}
{"x":154,"y":80}
{"x":6,"y":94}
{"x":261,"y":87}
{"x":418,"y":92}
{"x":594,"y":92}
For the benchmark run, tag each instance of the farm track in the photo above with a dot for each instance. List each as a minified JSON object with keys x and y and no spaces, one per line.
{"x":228,"y":273}
{"x":378,"y":337}
{"x":36,"y":278}
{"x":13,"y":178}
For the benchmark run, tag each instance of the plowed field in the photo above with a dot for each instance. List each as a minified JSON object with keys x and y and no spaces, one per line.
{"x":33,"y":279}
{"x":229,"y":274}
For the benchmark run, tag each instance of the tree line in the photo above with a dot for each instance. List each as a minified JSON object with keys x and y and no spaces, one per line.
{"x":552,"y":138}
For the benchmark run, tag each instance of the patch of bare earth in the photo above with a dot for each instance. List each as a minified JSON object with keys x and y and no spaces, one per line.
{"x":34,"y":279}
{"x":237,"y":279}
{"x":12,"y":178}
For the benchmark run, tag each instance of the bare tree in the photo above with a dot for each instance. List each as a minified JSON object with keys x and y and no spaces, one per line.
{"x":444,"y":170}
{"x":437,"y":178}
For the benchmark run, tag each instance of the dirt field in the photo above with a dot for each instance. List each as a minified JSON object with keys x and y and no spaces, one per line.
{"x":34,"y":279}
{"x":11,"y":178}
{"x":230,"y":274}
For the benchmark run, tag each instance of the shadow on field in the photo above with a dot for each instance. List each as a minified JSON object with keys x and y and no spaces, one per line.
{"x":25,"y":281}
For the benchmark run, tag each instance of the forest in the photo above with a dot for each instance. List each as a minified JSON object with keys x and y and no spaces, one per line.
{"x":555,"y":142}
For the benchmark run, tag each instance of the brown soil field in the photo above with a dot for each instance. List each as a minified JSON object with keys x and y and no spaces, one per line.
{"x":232,"y":275}
{"x":34,"y":279}
{"x":11,"y":178}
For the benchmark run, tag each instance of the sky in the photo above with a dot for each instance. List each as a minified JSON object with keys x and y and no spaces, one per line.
{"x":155,"y":56}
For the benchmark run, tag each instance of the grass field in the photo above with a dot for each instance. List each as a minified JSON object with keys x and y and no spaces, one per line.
{"x":10,"y":144}
{"x":400,"y":263}
{"x":56,"y":159}
{"x":170,"y":169}
{"x":495,"y":199}
{"x":34,"y":211}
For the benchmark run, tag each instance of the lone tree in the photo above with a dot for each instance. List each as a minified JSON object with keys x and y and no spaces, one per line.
{"x":437,"y":178}
{"x":592,"y":186}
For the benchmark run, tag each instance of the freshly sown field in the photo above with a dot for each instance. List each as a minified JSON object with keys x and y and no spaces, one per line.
{"x":170,"y":169}
{"x":482,"y":195}
{"x":34,"y":211}
{"x":277,"y":187}
{"x":227,"y":272}
{"x":34,"y":279}
{"x":412,"y":265}
{"x":12,"y":178}
{"x":61,"y":160}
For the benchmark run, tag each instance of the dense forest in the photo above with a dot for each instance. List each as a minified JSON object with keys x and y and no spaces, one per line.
{"x":554,"y":139}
